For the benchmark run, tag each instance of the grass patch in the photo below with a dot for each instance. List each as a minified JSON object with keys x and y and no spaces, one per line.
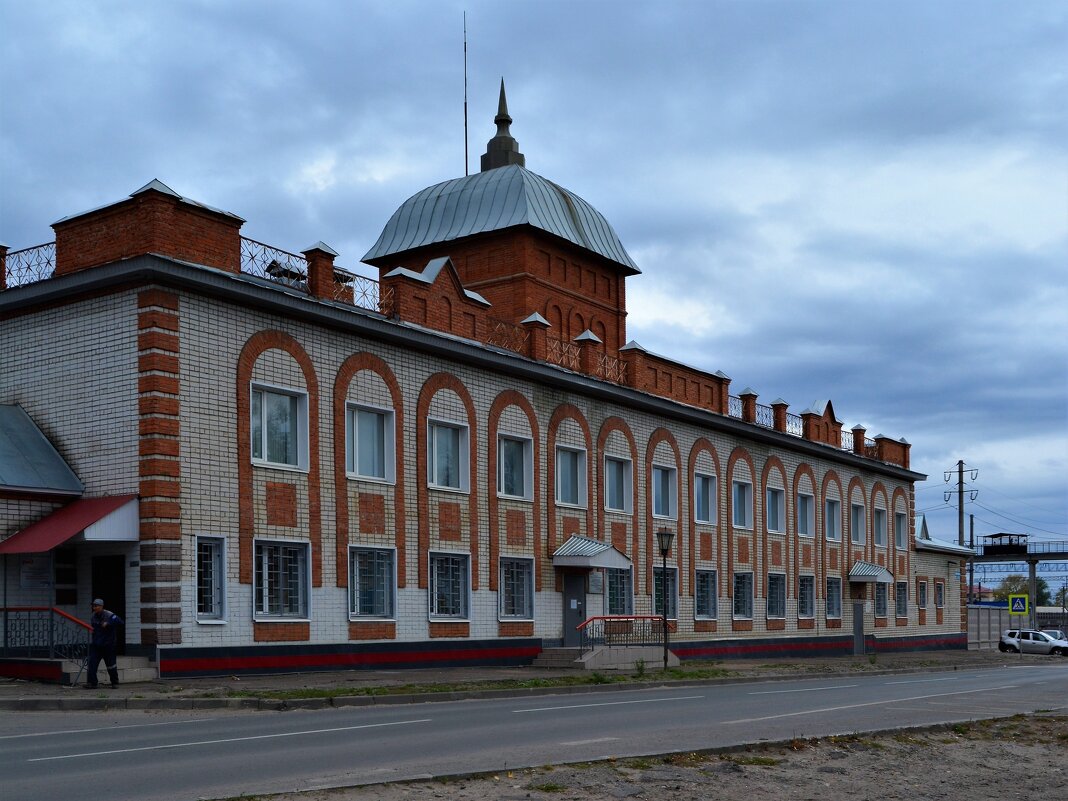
{"x":547,"y":787}
{"x":753,"y":759}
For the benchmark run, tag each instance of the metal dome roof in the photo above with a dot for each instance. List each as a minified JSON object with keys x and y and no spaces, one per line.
{"x":492,"y":201}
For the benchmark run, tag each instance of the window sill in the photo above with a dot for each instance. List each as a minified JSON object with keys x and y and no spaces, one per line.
{"x":211,"y":622}
{"x":371,"y":479}
{"x":450,"y":490}
{"x":284,"y":468}
{"x":669,"y":518}
{"x":521,"y":498}
{"x":624,"y":512}
{"x":568,"y":505}
{"x":776,"y":617}
{"x":281,"y":619}
{"x":706,"y":523}
{"x":804,"y":536}
{"x":806,"y":617}
{"x":776,"y":531}
{"x":435,"y":619}
{"x":370,"y":619}
{"x":738,"y":617}
{"x":743,"y":528}
{"x":501,"y":619}
{"x":834,"y":617}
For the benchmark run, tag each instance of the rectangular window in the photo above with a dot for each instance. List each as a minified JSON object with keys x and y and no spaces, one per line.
{"x":278,"y":427}
{"x":281,"y":580}
{"x":371,"y":582}
{"x":515,"y":468}
{"x":571,"y":477}
{"x":211,"y":577}
{"x":806,"y":515}
{"x":672,"y":592}
{"x":856,"y":524}
{"x":704,"y":498}
{"x":447,"y":456}
{"x":620,"y":594}
{"x":705,"y":605}
{"x":449,"y":585}
{"x":517,"y":588}
{"x":921,"y":595}
{"x":832,"y":520}
{"x":902,"y":605}
{"x":901,"y":531}
{"x":834,"y":598}
{"x":880,"y":599}
{"x":806,"y":596}
{"x":369,"y":451}
{"x":664,"y":494}
{"x":940,"y":594}
{"x":742,"y":494}
{"x":775,"y":509}
{"x":776,"y":595}
{"x":617,"y":494}
{"x":743,"y":595}
{"x":878,"y":525}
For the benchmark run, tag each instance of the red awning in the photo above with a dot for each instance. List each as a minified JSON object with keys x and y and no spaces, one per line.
{"x":62,"y":524}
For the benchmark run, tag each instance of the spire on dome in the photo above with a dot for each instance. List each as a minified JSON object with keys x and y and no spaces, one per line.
{"x":502,"y":149}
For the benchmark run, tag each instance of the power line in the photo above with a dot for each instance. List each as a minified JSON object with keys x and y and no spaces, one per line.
{"x":1018,"y":522}
{"x":1025,"y":503}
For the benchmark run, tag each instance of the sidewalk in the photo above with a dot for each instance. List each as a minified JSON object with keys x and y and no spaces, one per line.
{"x":354,"y":688}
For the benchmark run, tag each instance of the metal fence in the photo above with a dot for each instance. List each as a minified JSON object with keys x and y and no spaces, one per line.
{"x":621,"y":630}
{"x":43,"y":632}
{"x":29,"y":265}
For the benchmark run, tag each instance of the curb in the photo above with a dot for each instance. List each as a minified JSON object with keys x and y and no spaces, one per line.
{"x":81,"y":704}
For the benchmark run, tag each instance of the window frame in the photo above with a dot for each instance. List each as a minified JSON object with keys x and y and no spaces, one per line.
{"x":673,"y":591}
{"x":464,"y":613}
{"x":747,"y":610}
{"x":709,"y":494}
{"x":879,"y":530}
{"x":775,"y":501}
{"x":627,"y":489}
{"x":581,"y":501}
{"x":702,"y":578}
{"x":260,"y":434}
{"x":940,"y":595}
{"x":858,"y":534}
{"x":901,"y":531}
{"x":901,"y":599}
{"x":806,"y":607}
{"x":780,"y":599}
{"x":745,"y":488}
{"x":528,"y":600}
{"x":527,"y":446}
{"x":218,"y":580}
{"x":661,"y":495}
{"x":833,"y":612}
{"x":612,"y":574}
{"x":921,"y":594}
{"x":885,"y":605}
{"x":352,"y":443}
{"x":463,"y":447}
{"x":832,"y":511}
{"x":806,"y":515}
{"x":390,"y":587}
{"x":258,"y":591}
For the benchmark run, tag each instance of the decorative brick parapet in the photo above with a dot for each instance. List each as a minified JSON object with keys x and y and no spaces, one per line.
{"x":159,"y":468}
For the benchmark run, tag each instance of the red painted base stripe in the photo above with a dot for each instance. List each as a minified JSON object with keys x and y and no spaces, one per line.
{"x":38,"y":671}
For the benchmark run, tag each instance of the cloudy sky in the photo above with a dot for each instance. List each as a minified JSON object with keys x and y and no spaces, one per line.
{"x":866,"y":202}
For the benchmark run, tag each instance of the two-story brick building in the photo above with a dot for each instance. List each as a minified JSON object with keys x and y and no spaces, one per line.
{"x":266,"y":462}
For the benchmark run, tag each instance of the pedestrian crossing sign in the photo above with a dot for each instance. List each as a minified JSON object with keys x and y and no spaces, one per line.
{"x":1017,"y":604}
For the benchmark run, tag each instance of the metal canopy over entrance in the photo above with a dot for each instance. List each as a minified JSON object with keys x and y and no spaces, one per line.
{"x":110,"y":519}
{"x":869,"y":573}
{"x":579,"y":551}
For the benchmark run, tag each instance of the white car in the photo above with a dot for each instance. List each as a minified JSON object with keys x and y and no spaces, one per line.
{"x":1033,"y":642}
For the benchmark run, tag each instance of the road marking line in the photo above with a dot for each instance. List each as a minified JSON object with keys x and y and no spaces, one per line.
{"x":921,"y":681}
{"x":587,"y":742}
{"x":610,"y":703}
{"x":869,"y":703}
{"x":227,"y":740}
{"x":805,"y":690}
{"x":102,"y":728}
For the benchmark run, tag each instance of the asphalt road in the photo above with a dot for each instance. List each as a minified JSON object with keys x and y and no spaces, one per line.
{"x":159,"y":756}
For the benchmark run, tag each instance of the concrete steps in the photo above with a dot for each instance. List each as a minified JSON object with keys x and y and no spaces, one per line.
{"x":559,"y":658}
{"x":132,"y":669}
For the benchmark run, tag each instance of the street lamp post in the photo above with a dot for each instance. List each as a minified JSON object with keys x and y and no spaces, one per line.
{"x":664,"y":537}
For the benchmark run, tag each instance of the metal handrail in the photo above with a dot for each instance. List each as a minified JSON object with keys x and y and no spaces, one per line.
{"x":612,"y":630}
{"x":58,"y":636}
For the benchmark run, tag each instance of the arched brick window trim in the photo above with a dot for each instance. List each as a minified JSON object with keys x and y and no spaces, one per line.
{"x":256,"y":345}
{"x":658,"y":436}
{"x":702,"y":445}
{"x":609,"y":425}
{"x":431,"y":387}
{"x":567,"y":411}
{"x":348,"y":370}
{"x":739,"y":454}
{"x":830,"y":478}
{"x":856,"y":484}
{"x":774,"y":463}
{"x":511,"y":398}
{"x":900,"y":496}
{"x":804,"y":470}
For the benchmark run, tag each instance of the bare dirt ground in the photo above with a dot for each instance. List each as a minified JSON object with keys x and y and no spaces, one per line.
{"x":1025,"y":756}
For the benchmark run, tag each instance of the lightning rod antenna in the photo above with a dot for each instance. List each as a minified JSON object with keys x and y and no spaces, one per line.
{"x":466,"y":158}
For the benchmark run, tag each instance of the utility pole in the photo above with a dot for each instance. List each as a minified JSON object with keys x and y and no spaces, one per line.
{"x":971,"y":560}
{"x":960,"y":496}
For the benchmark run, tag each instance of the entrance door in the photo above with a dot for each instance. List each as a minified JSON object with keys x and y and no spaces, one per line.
{"x":574,"y":606}
{"x":858,"y":627}
{"x":109,"y":584}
